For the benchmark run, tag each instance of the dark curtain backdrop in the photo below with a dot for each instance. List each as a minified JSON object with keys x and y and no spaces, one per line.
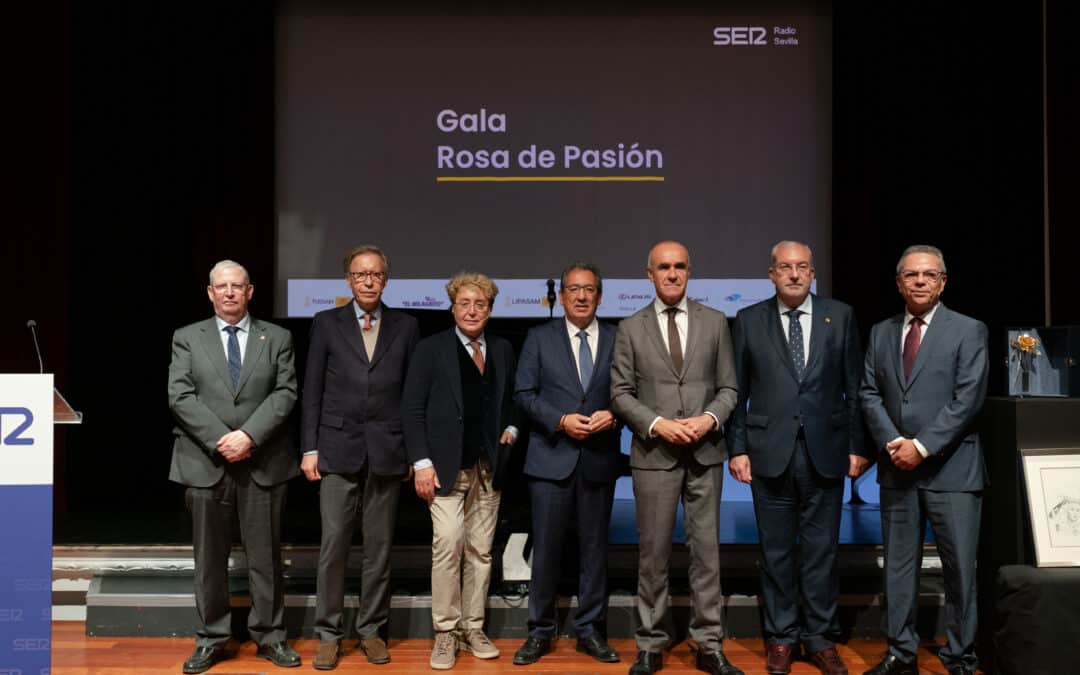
{"x":145,"y":153}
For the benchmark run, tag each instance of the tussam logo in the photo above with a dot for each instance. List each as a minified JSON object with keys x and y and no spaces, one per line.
{"x":724,"y":36}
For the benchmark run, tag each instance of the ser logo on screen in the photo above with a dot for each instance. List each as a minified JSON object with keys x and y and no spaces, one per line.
{"x":739,"y":35}
{"x":21,"y":418}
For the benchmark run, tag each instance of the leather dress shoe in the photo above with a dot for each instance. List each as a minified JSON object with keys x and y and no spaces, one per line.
{"x":829,"y":661}
{"x":647,"y":663}
{"x":375,"y":649}
{"x":596,"y":647}
{"x":778,"y":658}
{"x":280,"y":654}
{"x":891,"y":665}
{"x":327,"y":655}
{"x":203,"y":658}
{"x":715,"y":663}
{"x":531,"y":651}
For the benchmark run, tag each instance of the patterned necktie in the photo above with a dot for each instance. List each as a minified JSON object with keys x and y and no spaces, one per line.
{"x":234,"y":355}
{"x":367,"y":321}
{"x":477,"y":355}
{"x":673,"y":342}
{"x":795,"y":341}
{"x":585,"y":359}
{"x":911,"y":346}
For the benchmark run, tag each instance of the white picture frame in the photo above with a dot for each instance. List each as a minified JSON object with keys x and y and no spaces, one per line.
{"x":1052,"y":482}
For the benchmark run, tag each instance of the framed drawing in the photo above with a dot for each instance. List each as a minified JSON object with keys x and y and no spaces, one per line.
{"x":1052,"y":479}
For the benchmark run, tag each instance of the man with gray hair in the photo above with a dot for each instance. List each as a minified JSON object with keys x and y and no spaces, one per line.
{"x":924,"y":382}
{"x":232,"y":386}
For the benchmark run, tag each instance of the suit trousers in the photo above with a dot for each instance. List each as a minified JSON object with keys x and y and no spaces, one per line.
{"x":345,"y":499}
{"x":954,"y":516}
{"x":259,"y":509}
{"x":555,"y":505}
{"x":798,"y":519}
{"x":656,"y":496}
{"x":463,"y":527}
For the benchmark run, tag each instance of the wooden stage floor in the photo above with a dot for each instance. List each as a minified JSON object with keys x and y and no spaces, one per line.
{"x":73,"y":653}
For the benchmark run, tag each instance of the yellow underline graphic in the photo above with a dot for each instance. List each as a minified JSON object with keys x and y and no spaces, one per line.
{"x":549,"y":179}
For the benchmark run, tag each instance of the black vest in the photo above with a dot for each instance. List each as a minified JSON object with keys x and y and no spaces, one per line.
{"x":476,"y":396}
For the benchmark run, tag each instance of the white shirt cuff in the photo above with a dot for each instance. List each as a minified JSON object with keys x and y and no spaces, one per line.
{"x":424,"y":463}
{"x":650,"y":434}
{"x":921,"y":448}
{"x":895,"y":440}
{"x":513,"y":431}
{"x":715,"y":419}
{"x":311,"y":452}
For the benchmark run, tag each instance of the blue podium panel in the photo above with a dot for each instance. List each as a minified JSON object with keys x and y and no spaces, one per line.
{"x":26,"y":445}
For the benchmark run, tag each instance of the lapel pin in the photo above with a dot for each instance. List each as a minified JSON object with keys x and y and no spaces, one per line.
{"x":263,"y":337}
{"x":828,"y":319}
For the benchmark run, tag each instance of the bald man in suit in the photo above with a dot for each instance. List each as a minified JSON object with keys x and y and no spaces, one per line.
{"x":232,"y":386}
{"x":673,"y":382}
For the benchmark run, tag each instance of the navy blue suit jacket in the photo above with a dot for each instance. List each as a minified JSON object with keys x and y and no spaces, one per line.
{"x":352,"y":405}
{"x":547,"y":387}
{"x":773,"y":401}
{"x":938,"y":404}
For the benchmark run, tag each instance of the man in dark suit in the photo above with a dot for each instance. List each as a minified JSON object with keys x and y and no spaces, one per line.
{"x":232,"y":385}
{"x":673,"y":382}
{"x":564,"y":386}
{"x":795,"y":433}
{"x":353,"y":444}
{"x":458,"y":411}
{"x":923,"y":385}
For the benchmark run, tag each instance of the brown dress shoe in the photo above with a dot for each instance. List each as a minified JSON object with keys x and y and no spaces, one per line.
{"x":828,"y":660}
{"x":327,"y":655}
{"x":375,"y":649}
{"x":778,"y":658}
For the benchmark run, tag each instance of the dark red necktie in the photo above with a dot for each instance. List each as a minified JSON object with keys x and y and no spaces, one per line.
{"x":911,"y":346}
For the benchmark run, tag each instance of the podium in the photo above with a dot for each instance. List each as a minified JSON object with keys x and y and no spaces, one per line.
{"x":1007,"y":425}
{"x":29,"y":406}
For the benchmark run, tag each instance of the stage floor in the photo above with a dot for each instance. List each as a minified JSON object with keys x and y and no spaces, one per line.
{"x":73,"y":653}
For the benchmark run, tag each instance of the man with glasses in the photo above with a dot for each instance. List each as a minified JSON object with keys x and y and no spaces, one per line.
{"x":563,"y":385}
{"x":353,"y":445}
{"x":673,"y":383}
{"x":232,"y":385}
{"x":458,"y":411}
{"x":795,"y":434}
{"x":924,"y":382}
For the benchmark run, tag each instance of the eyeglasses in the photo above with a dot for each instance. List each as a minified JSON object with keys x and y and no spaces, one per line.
{"x":912,"y":277}
{"x":377,"y":277}
{"x":225,"y":289}
{"x":478,"y":305}
{"x":577,"y":288}
{"x":788,"y":268}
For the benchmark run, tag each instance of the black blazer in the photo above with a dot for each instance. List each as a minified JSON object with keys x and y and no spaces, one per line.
{"x":352,"y":406}
{"x":548,"y":386}
{"x":433,"y":411}
{"x":773,"y":401}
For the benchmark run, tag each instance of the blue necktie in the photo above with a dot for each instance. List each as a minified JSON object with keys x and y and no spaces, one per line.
{"x":585,"y":359}
{"x":234,"y":355}
{"x":795,"y":341}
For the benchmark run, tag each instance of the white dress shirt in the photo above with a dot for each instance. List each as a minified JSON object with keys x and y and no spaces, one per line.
{"x":593,"y":331}
{"x":682,"y":323}
{"x":926,"y":318}
{"x":241,"y":335}
{"x":804,"y":321}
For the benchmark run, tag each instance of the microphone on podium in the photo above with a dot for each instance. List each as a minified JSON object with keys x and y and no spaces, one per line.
{"x":32,"y":325}
{"x":551,"y":297}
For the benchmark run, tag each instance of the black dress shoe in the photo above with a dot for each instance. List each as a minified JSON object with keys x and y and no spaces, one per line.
{"x":280,"y":654}
{"x":715,"y":663}
{"x":596,"y":647}
{"x":203,"y":658}
{"x":891,"y":665}
{"x":647,"y":663}
{"x":531,"y":651}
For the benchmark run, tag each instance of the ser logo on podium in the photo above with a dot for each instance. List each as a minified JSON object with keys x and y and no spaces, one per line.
{"x":22,"y":418}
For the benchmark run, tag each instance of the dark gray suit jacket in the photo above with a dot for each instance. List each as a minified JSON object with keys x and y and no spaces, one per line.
{"x":938,"y":405}
{"x":645,"y":384}
{"x":205,"y":407}
{"x":773,"y":401}
{"x":352,"y":406}
{"x":548,"y":386}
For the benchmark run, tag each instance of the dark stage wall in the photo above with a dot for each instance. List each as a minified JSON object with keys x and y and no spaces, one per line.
{"x":144,"y":153}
